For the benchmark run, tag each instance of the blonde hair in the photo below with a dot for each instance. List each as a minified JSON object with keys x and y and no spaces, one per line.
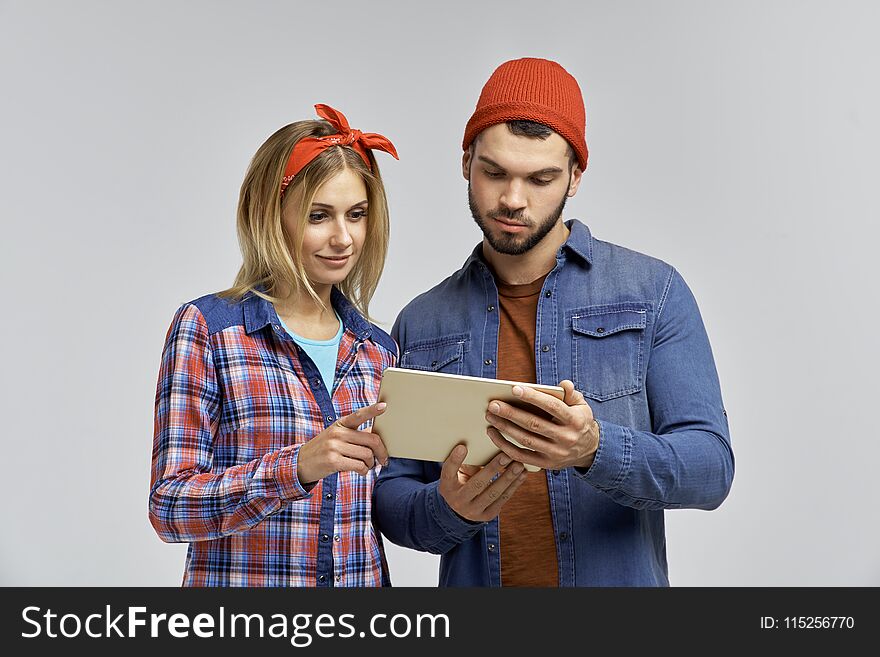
{"x":270,"y":256}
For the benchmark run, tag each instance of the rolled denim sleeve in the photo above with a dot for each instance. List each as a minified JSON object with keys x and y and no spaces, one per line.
{"x":411,"y":512}
{"x":686,"y":461}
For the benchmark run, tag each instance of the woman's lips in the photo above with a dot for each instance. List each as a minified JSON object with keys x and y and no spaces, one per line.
{"x":335,"y":261}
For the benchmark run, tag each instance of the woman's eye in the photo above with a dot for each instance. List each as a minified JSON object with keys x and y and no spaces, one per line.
{"x":316,"y":216}
{"x":357,"y":214}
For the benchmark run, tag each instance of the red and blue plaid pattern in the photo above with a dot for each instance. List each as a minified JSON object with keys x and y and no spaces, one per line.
{"x":236,"y":399}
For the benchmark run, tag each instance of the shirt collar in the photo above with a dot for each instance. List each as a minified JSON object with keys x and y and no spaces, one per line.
{"x":579,"y":242}
{"x":259,"y":313}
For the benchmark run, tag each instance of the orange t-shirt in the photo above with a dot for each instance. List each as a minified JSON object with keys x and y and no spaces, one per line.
{"x":528,"y":544}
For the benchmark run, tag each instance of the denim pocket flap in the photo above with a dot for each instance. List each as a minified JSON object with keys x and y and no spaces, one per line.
{"x":435,"y":357}
{"x":600,"y":325}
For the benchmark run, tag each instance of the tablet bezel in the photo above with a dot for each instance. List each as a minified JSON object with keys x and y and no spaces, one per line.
{"x":457,"y":402}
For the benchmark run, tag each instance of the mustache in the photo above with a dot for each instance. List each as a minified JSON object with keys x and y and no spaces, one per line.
{"x":507,"y":213}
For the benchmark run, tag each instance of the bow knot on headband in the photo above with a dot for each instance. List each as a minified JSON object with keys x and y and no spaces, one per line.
{"x":308,"y":148}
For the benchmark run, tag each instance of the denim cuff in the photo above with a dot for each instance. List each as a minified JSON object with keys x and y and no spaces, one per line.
{"x":453,"y":525}
{"x":613,"y":458}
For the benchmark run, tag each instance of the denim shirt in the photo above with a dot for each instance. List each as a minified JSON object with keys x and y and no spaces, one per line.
{"x":625,"y":328}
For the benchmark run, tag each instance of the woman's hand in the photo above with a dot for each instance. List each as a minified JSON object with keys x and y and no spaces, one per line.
{"x":341,"y":447}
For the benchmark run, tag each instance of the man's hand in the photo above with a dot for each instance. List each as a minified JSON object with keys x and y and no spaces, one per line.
{"x":341,"y":447}
{"x":569,"y":438}
{"x":470,"y":490}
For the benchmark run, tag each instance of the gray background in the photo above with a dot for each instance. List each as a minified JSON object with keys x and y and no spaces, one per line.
{"x":737,"y":141}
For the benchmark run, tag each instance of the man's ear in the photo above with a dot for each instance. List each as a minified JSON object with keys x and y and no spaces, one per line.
{"x":466,"y":163}
{"x":574,"y":183}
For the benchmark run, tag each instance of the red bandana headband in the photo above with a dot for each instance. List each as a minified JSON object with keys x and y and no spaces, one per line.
{"x":308,"y":148}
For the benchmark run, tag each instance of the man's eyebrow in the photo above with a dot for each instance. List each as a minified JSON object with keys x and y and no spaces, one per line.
{"x":541,"y":172}
{"x":485,"y":159}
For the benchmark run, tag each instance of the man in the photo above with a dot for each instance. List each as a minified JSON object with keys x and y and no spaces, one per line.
{"x":641,"y":428}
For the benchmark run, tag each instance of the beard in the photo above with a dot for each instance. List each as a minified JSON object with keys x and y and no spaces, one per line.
{"x":514,"y":244}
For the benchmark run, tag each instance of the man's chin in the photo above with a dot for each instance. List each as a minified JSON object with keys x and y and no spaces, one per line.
{"x":507,"y":244}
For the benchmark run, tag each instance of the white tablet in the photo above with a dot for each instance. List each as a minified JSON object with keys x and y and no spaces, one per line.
{"x":429,"y":413}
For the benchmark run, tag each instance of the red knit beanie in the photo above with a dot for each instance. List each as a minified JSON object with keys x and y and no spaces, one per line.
{"x":532,"y":89}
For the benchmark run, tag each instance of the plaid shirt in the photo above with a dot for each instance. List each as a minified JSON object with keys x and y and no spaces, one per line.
{"x":236,"y":399}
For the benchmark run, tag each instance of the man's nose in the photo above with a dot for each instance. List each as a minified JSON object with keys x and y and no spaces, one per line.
{"x":513,"y":196}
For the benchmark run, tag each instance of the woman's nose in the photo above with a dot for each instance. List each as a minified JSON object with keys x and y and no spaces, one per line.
{"x":340,"y":238}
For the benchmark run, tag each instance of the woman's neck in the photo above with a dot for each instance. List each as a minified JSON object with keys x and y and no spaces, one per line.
{"x":304,"y":315}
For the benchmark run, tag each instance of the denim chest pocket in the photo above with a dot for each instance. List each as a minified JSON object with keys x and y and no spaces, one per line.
{"x":442,"y":355}
{"x":608,"y":351}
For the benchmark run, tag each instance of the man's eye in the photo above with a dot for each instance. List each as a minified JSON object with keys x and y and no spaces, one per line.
{"x":494,"y":174}
{"x":541,"y":181}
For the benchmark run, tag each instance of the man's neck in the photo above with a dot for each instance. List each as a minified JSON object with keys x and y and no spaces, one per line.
{"x":531,"y":265}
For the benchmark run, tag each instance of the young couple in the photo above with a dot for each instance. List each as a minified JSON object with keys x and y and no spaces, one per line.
{"x":263,"y":459}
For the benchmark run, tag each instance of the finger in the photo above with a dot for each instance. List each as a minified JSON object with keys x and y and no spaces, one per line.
{"x":367,"y":439}
{"x":356,"y":419}
{"x":507,"y":416}
{"x":353,"y":465}
{"x":525,"y":439}
{"x":379,"y":449}
{"x":481,"y":481}
{"x":465,"y":472}
{"x":543,"y":400}
{"x":453,"y":462}
{"x":514,"y":452}
{"x":358,"y":452}
{"x":494,"y":509}
{"x":497,"y":487}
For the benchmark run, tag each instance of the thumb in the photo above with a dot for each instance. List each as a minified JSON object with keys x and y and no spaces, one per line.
{"x":453,"y":463}
{"x":573,"y":396}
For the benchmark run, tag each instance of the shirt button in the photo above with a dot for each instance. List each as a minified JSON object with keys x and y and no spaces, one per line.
{"x":336,"y":538}
{"x":325,"y":537}
{"x":322,"y":578}
{"x":563,"y":536}
{"x":545,"y":348}
{"x":316,"y":383}
{"x":488,"y":361}
{"x":328,"y":496}
{"x":491,"y":547}
{"x":556,"y":472}
{"x":490,"y":308}
{"x":329,"y":418}
{"x":339,"y":578}
{"x":277,"y":327}
{"x":548,"y":294}
{"x":600,"y":330}
{"x":433,"y":363}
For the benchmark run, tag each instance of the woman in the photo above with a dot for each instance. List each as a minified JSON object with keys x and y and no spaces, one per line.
{"x":258,"y":462}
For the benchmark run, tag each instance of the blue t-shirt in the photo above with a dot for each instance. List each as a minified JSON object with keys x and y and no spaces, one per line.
{"x":322,"y":352}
